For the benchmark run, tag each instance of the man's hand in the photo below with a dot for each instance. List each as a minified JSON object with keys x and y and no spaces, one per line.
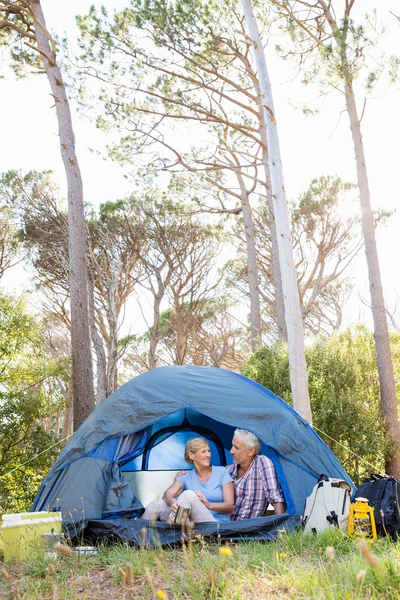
{"x":179,"y":474}
{"x":203,"y":499}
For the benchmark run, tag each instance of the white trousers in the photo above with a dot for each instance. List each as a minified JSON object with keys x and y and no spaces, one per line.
{"x":159,"y":510}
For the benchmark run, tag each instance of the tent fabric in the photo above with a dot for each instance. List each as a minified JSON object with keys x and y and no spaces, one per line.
{"x":87,"y":481}
{"x":131,"y":531}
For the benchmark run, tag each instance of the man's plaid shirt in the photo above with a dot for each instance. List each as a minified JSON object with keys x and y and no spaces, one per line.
{"x":256,"y":489}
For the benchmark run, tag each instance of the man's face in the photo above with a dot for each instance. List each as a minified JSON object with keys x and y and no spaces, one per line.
{"x":240,"y":454}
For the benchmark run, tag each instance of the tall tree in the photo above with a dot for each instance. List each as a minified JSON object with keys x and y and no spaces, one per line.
{"x":178,"y":261}
{"x":212,"y":334}
{"x":112,"y":251}
{"x":293,"y":317}
{"x":203,"y":77}
{"x":325,"y":243}
{"x":25,"y":19}
{"x":343,"y":45}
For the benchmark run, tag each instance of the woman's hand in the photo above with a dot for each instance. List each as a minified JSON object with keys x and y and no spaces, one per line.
{"x":203,"y":499}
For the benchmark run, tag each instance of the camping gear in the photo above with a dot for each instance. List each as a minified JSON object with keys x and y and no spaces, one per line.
{"x":86,"y":550}
{"x":383,"y":495}
{"x":362,"y":519}
{"x":327,"y":505}
{"x":121,"y":456}
{"x":22,"y":533}
{"x":51,"y":541}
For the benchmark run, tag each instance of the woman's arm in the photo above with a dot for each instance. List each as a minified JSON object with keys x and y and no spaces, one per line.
{"x":228,"y":503}
{"x":172,"y":492}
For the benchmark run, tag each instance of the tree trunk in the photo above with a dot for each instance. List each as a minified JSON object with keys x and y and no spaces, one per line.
{"x":69,"y":411}
{"x":112,"y":371}
{"x":276,"y":274}
{"x":98,"y":345}
{"x":388,"y":401}
{"x":293,"y":317}
{"x":255,"y":310}
{"x":251,"y":260}
{"x":83,"y":392}
{"x":276,"y":271}
{"x":181,"y":332}
{"x":154,"y":331}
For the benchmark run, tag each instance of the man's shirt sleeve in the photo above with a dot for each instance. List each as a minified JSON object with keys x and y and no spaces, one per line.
{"x":272,"y":489}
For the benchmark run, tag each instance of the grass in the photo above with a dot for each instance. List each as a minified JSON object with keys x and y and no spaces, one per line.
{"x":328,"y":566}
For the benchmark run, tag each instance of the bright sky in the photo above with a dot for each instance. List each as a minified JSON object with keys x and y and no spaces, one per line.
{"x":310,"y":146}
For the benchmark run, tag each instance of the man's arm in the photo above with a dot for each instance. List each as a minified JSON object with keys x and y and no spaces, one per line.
{"x":279,"y":508}
{"x":272,"y":489}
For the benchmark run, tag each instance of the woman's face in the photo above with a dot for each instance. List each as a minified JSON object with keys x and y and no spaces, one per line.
{"x":201,"y":457}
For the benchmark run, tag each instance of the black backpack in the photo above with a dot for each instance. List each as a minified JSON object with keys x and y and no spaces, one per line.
{"x":383,"y":494}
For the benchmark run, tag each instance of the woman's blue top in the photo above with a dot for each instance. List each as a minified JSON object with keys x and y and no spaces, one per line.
{"x":211,"y":489}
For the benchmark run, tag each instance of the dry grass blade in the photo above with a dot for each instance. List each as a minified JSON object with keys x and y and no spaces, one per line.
{"x":129,"y":575}
{"x":64,"y":549}
{"x":123,"y":576}
{"x":368,"y":555}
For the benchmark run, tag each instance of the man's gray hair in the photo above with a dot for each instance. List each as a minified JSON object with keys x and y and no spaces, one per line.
{"x":249,"y":439}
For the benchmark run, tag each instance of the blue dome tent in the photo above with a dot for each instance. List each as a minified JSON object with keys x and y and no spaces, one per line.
{"x":135,"y":440}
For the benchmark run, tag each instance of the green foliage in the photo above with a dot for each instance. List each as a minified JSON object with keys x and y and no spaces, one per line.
{"x":9,"y":239}
{"x":344,"y":393}
{"x":17,"y":36}
{"x":320,"y":202}
{"x":330,"y":47}
{"x":29,"y":393}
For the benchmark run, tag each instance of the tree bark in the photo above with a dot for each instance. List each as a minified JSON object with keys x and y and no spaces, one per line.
{"x":69,"y":411}
{"x":276,"y":272}
{"x":83,"y":393}
{"x":252,"y":271}
{"x":293,"y":317}
{"x":112,"y":371}
{"x":388,"y":401}
{"x":251,"y":260}
{"x":98,"y":346}
{"x":181,"y":332}
{"x":154,"y":330}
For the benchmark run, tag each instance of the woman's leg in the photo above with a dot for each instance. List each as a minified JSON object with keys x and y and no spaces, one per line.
{"x":158,"y":510}
{"x":198,"y":512}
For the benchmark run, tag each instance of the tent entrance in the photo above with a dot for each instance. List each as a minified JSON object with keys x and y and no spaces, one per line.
{"x":194,"y":430}
{"x":161,"y":456}
{"x":162,"y":446}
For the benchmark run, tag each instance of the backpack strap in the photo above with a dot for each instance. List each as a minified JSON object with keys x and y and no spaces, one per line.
{"x":332,"y":516}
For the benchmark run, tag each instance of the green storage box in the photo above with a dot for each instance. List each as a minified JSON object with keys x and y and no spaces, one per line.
{"x":21,"y":534}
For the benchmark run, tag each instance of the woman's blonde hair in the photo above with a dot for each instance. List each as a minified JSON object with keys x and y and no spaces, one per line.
{"x":194,"y":444}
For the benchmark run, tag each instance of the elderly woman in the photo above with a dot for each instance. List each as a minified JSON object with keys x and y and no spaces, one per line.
{"x":207,"y":490}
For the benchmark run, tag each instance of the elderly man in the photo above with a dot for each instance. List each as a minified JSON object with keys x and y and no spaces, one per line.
{"x":254,"y":476}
